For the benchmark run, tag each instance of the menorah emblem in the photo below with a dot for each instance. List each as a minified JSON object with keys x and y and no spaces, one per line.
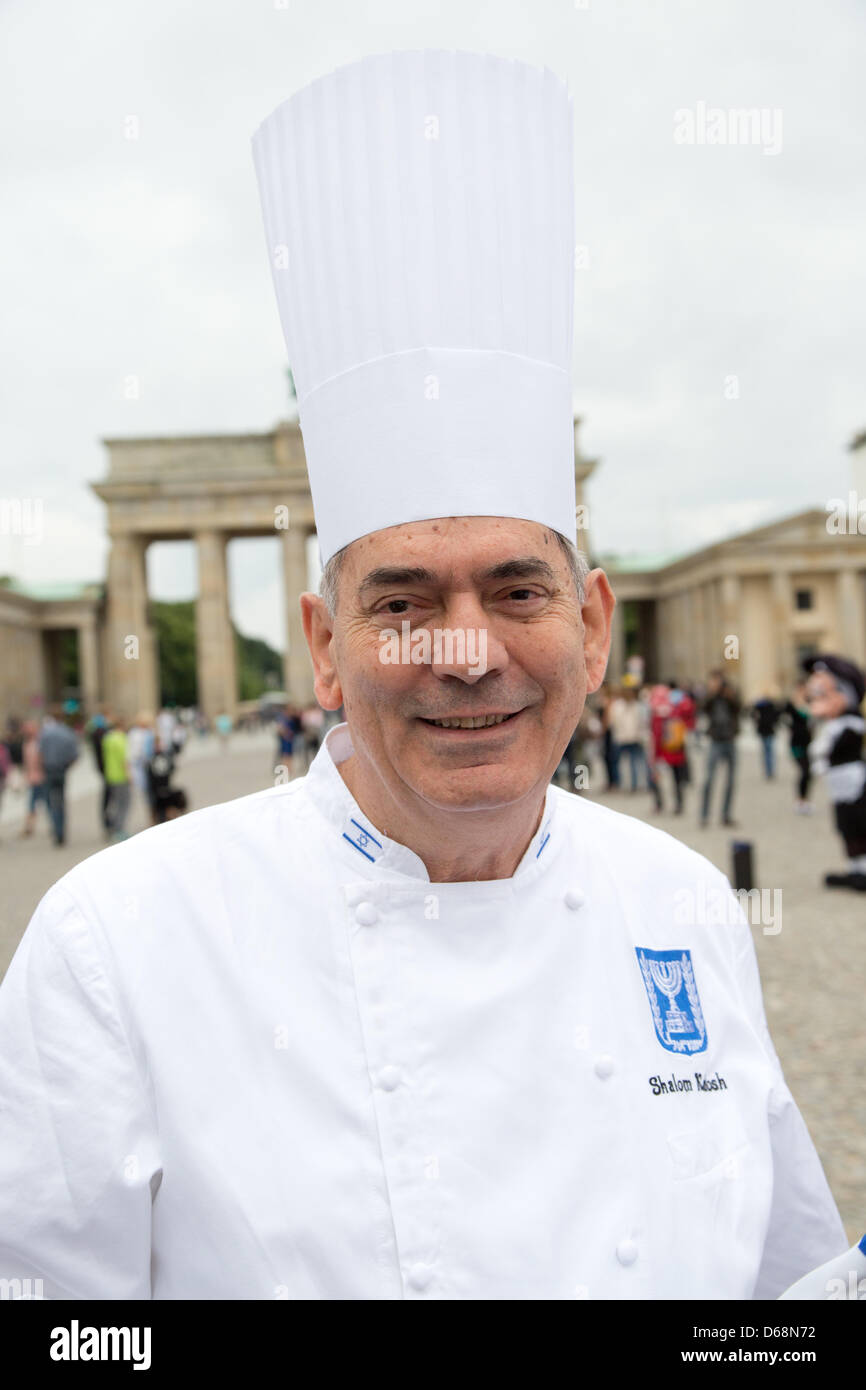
{"x":668,"y":975}
{"x":669,"y":979}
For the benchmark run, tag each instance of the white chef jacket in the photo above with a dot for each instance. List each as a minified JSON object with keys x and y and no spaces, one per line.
{"x":255,"y":1053}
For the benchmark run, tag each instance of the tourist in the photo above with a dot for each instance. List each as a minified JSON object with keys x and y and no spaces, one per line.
{"x":140,"y":743}
{"x":628,"y":730}
{"x":223,"y":724}
{"x":797,"y":715}
{"x":94,"y":731}
{"x":34,"y":774}
{"x":166,"y":723}
{"x":14,"y":741}
{"x":721,"y":706}
{"x":117,"y":770}
{"x":58,"y":750}
{"x":766,"y":714}
{"x":672,"y":719}
{"x":288,"y":727}
{"x":160,"y":769}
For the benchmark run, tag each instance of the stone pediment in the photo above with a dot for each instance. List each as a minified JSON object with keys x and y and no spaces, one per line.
{"x":803,"y":529}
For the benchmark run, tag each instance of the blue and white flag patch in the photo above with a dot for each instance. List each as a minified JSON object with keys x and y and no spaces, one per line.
{"x":673,"y":995}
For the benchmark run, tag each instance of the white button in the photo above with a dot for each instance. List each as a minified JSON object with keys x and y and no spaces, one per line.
{"x":366,"y":914}
{"x":626,"y":1252}
{"x":388,"y":1078}
{"x":604,"y":1066}
{"x":419,"y":1276}
{"x":574,"y":900}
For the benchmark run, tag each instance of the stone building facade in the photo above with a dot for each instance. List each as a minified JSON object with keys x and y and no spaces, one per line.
{"x":753,"y":604}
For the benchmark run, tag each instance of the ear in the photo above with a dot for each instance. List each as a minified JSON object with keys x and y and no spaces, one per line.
{"x":597,"y":614}
{"x":319,"y":632}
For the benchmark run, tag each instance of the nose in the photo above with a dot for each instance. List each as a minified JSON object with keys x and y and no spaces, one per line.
{"x":467,"y":648}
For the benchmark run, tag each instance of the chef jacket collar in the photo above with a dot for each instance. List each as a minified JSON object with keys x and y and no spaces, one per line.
{"x":368,"y":849}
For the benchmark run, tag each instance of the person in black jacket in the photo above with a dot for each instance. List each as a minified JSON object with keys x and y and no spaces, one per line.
{"x":721,"y":705}
{"x":797,"y":716}
{"x":766,"y":714}
{"x":835,"y":691}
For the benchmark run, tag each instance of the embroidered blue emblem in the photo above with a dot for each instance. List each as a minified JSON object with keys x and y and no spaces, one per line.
{"x":545,"y":836}
{"x":365,"y":840}
{"x":673,"y":995}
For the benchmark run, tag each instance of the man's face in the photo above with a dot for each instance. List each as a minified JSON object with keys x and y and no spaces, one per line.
{"x":501,"y":582}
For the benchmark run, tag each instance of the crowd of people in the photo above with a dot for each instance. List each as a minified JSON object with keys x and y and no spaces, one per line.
{"x":641,"y":736}
{"x":300,"y":730}
{"x":648,"y":737}
{"x":132,"y":757}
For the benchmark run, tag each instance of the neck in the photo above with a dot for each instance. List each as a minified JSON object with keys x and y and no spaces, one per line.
{"x":454,"y":846}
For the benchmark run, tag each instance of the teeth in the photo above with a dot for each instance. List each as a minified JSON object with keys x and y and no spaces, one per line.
{"x":481,"y":721}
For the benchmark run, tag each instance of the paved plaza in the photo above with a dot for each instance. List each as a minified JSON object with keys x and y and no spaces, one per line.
{"x":812,"y":969}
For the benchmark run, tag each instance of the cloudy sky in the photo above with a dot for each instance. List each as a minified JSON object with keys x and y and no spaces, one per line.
{"x":719,"y":324}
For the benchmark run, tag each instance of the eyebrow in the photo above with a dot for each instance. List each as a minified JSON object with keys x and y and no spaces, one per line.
{"x":524,"y":567}
{"x":396,"y":574}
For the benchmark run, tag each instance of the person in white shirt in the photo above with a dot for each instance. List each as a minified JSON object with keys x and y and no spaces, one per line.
{"x":628,"y":724}
{"x":417,"y":1025}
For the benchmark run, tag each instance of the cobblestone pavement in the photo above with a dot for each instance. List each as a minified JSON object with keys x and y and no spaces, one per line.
{"x":812,"y":970}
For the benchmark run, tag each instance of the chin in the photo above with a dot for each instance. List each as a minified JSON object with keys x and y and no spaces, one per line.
{"x":482,"y":788}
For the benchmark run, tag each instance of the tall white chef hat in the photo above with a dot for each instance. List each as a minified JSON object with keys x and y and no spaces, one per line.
{"x":419,"y":216}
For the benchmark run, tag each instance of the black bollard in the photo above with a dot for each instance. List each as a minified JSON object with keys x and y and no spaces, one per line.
{"x":741,"y":851}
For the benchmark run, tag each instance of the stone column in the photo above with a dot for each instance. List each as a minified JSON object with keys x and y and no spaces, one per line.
{"x":216,"y":669}
{"x":297,"y":665}
{"x":781,"y":608}
{"x":731,"y":623}
{"x":698,"y":656}
{"x":88,"y":665}
{"x":616,"y":660}
{"x":852,"y":614}
{"x":130,"y":642}
{"x":583,"y":467}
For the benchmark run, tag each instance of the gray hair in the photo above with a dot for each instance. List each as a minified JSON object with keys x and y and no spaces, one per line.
{"x":330,"y":582}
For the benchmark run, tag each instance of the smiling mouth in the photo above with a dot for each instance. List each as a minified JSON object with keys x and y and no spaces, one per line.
{"x":474,"y":721}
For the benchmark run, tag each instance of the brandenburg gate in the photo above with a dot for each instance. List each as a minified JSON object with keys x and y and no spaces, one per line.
{"x":207,"y":489}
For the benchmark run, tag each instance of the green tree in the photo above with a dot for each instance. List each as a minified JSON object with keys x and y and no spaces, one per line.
{"x":259,"y":667}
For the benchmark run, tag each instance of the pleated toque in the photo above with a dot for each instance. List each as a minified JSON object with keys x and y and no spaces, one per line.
{"x":419,"y":219}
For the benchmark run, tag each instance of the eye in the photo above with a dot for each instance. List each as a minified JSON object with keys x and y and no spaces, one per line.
{"x":395,"y":606}
{"x":523,"y":595}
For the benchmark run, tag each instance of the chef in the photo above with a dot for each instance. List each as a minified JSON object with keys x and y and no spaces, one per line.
{"x":417,"y":1025}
